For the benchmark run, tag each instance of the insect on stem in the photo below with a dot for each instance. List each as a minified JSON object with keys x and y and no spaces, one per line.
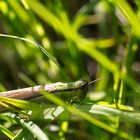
{"x":32,"y":92}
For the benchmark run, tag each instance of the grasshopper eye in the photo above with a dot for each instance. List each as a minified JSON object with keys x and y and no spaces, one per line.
{"x":85,"y":83}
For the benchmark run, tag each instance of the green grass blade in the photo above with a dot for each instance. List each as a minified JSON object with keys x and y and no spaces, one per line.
{"x":52,"y":113}
{"x":34,"y":43}
{"x":26,"y":79}
{"x":54,"y":22}
{"x":32,"y":127}
{"x":129,"y":14}
{"x":20,"y":103}
{"x":2,"y":88}
{"x":120,"y":93}
{"x":82,"y":114}
{"x":23,"y":134}
{"x":21,"y":12}
{"x":125,"y":116}
{"x":6,"y":132}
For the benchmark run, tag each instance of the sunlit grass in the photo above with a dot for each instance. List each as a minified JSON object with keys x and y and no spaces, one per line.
{"x":45,"y":42}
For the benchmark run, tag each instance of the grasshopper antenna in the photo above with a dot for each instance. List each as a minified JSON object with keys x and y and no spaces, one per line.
{"x":91,"y":82}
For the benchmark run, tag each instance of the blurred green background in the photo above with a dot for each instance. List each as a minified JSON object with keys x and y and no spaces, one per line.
{"x":80,"y":40}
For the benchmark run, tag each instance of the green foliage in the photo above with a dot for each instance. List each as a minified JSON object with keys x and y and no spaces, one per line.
{"x":55,"y":40}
